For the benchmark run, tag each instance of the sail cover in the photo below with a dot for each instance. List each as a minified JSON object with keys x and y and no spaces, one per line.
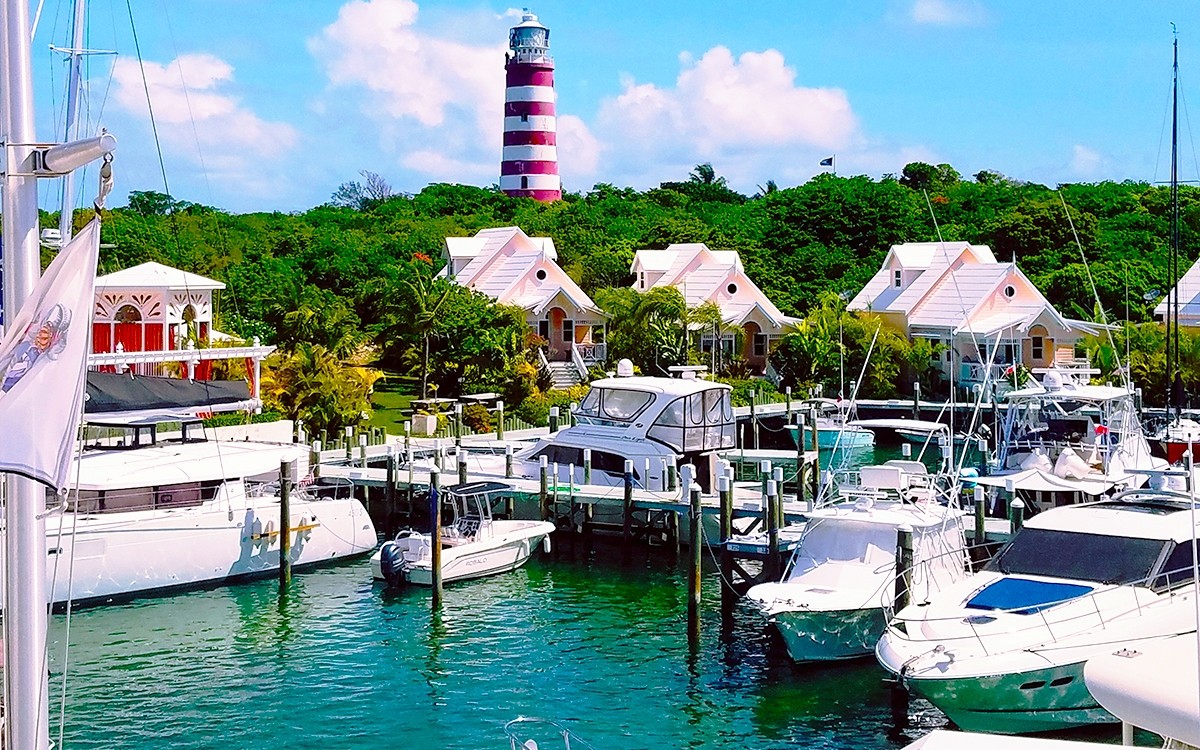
{"x":114,"y":396}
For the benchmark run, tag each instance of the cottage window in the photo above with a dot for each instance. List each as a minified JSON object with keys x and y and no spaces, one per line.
{"x":568,"y":331}
{"x":541,"y":274}
{"x":544,"y":329}
{"x":760,"y":344}
{"x":898,"y":278}
{"x":1037,"y":348}
{"x":732,"y":288}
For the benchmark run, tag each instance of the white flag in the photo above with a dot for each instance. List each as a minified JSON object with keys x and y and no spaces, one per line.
{"x":43,"y":365}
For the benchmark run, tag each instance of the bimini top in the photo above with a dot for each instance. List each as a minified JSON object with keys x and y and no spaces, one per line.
{"x":1139,"y":514}
{"x":1057,"y":385}
{"x":179,"y":463}
{"x":668,"y":386}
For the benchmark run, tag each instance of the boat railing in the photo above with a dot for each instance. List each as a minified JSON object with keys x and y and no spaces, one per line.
{"x":1054,"y":448}
{"x":1081,"y":620}
{"x":532,"y":733}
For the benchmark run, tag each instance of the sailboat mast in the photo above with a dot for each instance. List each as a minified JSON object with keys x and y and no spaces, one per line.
{"x":1173,"y":373}
{"x":74,"y":91}
{"x":26,"y":693}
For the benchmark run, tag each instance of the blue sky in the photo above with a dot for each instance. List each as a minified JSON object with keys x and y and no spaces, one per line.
{"x":271,"y":104}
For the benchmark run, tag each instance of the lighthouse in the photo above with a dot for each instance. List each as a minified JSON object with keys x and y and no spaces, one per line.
{"x":529,"y":166}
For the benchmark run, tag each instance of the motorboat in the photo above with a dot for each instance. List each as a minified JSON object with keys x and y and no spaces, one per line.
{"x":474,"y":543}
{"x":149,"y":515}
{"x":841,"y":580}
{"x":835,"y":426}
{"x":1176,"y":438}
{"x":658,"y":423}
{"x":832,"y":600}
{"x":1004,"y":650}
{"x":1065,"y":441}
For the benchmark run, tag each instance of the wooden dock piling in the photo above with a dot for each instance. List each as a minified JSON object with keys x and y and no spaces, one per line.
{"x":285,"y":525}
{"x":1016,"y":514}
{"x":725,"y":493}
{"x":462,"y":466}
{"x":627,"y":507}
{"x":544,"y":489}
{"x":508,"y":462}
{"x":771,"y":501}
{"x":435,"y":539}
{"x":904,"y":563}
{"x":314,"y":459}
{"x":499,"y":420}
{"x":696,"y":543}
{"x":553,"y":419}
{"x":916,"y":399}
{"x":980,"y":515}
{"x":389,"y":490}
{"x":587,"y":465}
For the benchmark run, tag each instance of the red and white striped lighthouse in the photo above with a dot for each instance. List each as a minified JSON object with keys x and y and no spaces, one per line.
{"x":529,"y":167}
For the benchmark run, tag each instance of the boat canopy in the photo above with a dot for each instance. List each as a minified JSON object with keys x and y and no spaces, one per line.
{"x":701,"y":421}
{"x":1036,"y":480}
{"x":915,"y":425}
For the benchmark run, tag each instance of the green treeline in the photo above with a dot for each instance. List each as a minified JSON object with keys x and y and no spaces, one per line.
{"x":353,"y":280}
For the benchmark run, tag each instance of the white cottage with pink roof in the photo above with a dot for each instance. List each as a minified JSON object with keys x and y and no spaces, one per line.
{"x":515,"y":269}
{"x":717,"y":276}
{"x":978,"y":309}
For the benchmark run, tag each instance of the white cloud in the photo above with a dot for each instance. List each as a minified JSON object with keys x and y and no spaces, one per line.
{"x":746,"y":115}
{"x":207,"y":126}
{"x":438,"y":102}
{"x":1086,"y":163}
{"x":947,"y":12}
{"x":578,"y":151}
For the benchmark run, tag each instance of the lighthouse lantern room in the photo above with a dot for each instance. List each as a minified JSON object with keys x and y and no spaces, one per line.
{"x":529,"y":167}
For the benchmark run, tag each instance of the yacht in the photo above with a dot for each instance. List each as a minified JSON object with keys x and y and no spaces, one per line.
{"x":147,"y":516}
{"x":657,"y":423}
{"x":474,"y":544}
{"x":1004,"y":650}
{"x":1065,"y":441}
{"x":832,"y":601}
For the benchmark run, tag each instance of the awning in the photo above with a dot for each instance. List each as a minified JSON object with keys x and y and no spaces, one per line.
{"x":1036,"y":480}
{"x":122,"y":397}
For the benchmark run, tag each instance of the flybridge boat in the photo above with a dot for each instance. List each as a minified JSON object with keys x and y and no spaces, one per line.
{"x":1004,"y":650}
{"x":657,"y":423}
{"x":1065,"y":441}
{"x":841,"y":581}
{"x":832,"y":600}
{"x":474,"y":544}
{"x":150,"y":516}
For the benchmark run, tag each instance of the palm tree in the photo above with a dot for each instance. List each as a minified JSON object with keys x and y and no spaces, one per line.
{"x":706,"y":175}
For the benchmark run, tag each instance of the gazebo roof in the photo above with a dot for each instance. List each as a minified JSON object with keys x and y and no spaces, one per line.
{"x":153,"y":275}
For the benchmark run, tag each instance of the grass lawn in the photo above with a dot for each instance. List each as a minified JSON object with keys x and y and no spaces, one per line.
{"x":392,"y":396}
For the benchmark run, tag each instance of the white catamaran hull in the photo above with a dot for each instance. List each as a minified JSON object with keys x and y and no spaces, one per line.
{"x":99,"y":557}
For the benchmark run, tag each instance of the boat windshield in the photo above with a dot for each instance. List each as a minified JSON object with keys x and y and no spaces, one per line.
{"x":1079,"y":556}
{"x":612,"y":405}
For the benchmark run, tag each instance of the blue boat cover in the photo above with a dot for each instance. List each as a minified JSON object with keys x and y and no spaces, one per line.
{"x":1025,"y":597}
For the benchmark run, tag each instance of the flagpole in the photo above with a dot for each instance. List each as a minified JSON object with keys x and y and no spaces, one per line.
{"x":26,"y":689}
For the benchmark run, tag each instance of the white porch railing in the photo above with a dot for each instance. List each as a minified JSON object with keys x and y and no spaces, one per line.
{"x":577,"y":360}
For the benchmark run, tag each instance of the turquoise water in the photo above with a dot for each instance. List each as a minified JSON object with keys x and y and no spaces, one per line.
{"x":341,"y":664}
{"x":581,"y":637}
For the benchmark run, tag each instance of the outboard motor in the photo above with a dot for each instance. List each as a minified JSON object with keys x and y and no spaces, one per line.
{"x":391,"y":560}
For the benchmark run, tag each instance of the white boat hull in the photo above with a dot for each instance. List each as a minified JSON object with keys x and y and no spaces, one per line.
{"x":830,"y":635}
{"x":107,"y":556}
{"x":510,"y":548}
{"x":1039,"y":700}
